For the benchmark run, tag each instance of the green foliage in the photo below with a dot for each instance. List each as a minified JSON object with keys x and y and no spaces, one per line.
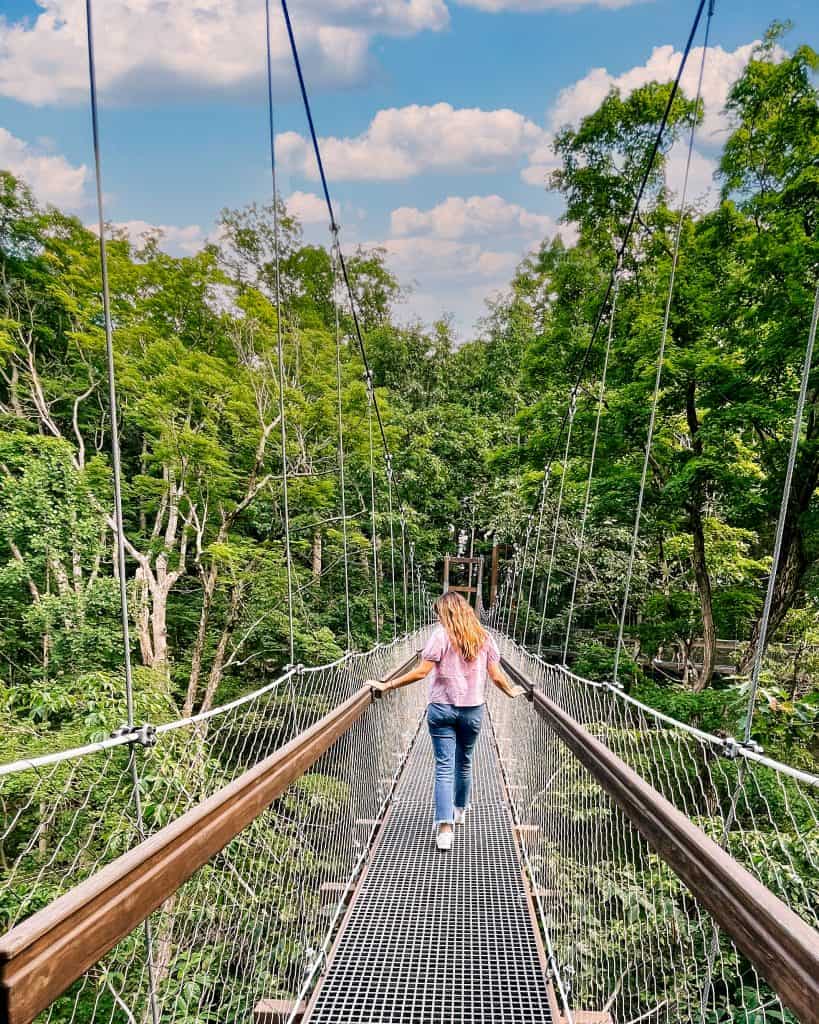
{"x":207,"y":577}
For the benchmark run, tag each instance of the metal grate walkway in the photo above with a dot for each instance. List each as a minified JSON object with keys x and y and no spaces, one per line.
{"x":439,"y":938}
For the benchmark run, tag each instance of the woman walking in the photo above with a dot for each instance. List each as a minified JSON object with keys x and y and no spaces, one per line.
{"x":460,"y":654}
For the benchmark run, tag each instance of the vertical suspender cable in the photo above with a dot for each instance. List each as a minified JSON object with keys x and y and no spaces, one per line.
{"x":117,"y":474}
{"x":392,"y":546}
{"x":412,"y":584}
{"x":522,"y":575}
{"x":403,"y":524}
{"x":601,"y":310}
{"x":335,"y":228}
{"x":512,"y":577}
{"x":592,"y":457}
{"x":112,"y":389}
{"x":373,"y":521}
{"x":661,"y":355}
{"x":341,"y":482}
{"x":544,"y":490}
{"x":556,"y":526}
{"x":780,"y":525}
{"x":279,"y":338}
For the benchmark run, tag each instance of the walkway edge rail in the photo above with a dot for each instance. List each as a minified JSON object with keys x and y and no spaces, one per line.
{"x":41,"y":957}
{"x":780,"y":945}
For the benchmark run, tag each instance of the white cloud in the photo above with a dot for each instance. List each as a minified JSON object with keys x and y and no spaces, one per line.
{"x":702,"y":192}
{"x":457,"y":218}
{"x":443,"y":254}
{"x":446,"y":259}
{"x":542,"y":161}
{"x":173,"y":239}
{"x":448,"y":276}
{"x":402,"y":142}
{"x":531,"y":6}
{"x":722,"y":68}
{"x":148,"y":49}
{"x":308,"y":208}
{"x":50,"y":176}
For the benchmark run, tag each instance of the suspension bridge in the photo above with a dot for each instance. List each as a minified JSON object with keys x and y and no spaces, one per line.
{"x":271,"y":859}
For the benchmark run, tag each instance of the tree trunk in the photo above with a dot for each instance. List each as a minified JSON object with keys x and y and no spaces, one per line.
{"x":215,"y":677}
{"x":208,"y":588}
{"x":793,"y":565}
{"x":702,"y":576}
{"x":159,"y":627}
{"x":143,"y":623}
{"x":316,"y":555}
{"x":794,"y":561}
{"x":686,"y":661}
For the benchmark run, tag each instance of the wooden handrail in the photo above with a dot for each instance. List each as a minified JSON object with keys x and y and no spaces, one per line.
{"x":780,"y":944}
{"x":46,"y":953}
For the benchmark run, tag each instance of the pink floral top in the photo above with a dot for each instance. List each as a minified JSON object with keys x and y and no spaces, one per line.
{"x":454,"y":680}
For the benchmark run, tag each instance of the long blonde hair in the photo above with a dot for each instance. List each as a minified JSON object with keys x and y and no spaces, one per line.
{"x":465,"y":633}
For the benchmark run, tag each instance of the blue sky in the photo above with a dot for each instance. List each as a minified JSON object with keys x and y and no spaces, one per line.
{"x":437,"y":115}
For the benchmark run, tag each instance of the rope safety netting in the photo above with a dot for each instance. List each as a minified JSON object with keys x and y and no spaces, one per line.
{"x":629,"y":937}
{"x":626,"y":937}
{"x":254,"y":922}
{"x":626,"y":934}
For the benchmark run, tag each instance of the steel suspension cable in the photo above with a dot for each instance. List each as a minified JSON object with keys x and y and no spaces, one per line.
{"x":403,"y":523}
{"x":373,"y":521}
{"x":543,"y":493}
{"x":556,"y":526}
{"x":341,"y":480}
{"x":512,"y":576}
{"x":661,"y":354}
{"x":592,"y":458}
{"x":621,"y":251}
{"x":116,"y":459}
{"x":780,"y":525}
{"x":412,"y":584}
{"x":392,"y":547}
{"x":394,"y":478}
{"x":279,"y":333}
{"x":522,"y":574}
{"x":334,"y":227}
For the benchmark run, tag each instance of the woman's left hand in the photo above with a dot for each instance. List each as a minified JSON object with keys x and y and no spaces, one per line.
{"x":379,"y":686}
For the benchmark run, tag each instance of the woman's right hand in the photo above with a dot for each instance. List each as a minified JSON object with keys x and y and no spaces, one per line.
{"x":515,"y":691}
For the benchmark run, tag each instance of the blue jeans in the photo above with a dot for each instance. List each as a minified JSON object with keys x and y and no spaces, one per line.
{"x":454,"y":732}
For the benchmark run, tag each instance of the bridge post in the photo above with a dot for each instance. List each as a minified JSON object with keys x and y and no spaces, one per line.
{"x":493,"y":573}
{"x":468,"y":590}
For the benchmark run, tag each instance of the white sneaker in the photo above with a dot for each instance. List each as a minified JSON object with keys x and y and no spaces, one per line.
{"x":460,"y":814}
{"x":443,"y":840}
